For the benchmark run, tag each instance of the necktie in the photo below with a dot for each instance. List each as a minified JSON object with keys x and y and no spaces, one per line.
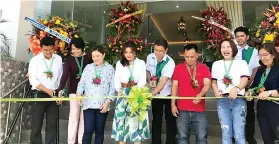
{"x":243,"y":54}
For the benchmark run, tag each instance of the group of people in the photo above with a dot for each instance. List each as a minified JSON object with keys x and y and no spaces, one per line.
{"x":242,"y":71}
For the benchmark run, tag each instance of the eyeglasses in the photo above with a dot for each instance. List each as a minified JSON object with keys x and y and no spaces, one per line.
{"x":263,"y":55}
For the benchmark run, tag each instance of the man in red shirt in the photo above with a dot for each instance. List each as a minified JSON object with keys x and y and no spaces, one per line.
{"x":190,"y":79}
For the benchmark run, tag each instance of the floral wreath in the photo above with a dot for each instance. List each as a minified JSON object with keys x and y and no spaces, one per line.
{"x":267,"y":30}
{"x":213,"y":26}
{"x":64,"y":27}
{"x":126,"y":29}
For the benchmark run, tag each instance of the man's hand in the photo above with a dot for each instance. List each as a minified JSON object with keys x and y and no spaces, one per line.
{"x":49,"y":92}
{"x":59,"y":102}
{"x":174,"y":110}
{"x":197,"y":100}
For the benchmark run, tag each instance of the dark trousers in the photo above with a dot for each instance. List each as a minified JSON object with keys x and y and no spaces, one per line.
{"x":250,"y":123}
{"x":38,"y":112}
{"x":94,"y":121}
{"x":157,"y":111}
{"x":268,"y":118}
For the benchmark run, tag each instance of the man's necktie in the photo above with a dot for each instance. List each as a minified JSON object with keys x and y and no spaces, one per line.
{"x":243,"y":54}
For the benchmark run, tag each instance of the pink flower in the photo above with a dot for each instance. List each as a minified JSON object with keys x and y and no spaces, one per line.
{"x":265,"y":24}
{"x":271,"y":19}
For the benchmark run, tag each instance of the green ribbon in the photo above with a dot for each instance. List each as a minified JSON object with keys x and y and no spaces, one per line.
{"x":97,"y":72}
{"x":227,"y":71}
{"x":80,"y":65}
{"x":159,"y":68}
{"x":131,"y":71}
{"x":248,"y":54}
{"x":263,"y":79}
{"x":49,"y":72}
{"x":139,"y":99}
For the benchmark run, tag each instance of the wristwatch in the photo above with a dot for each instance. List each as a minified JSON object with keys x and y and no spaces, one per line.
{"x":270,"y":93}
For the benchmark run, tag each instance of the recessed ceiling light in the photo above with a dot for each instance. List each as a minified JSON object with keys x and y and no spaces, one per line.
{"x":177,"y":6}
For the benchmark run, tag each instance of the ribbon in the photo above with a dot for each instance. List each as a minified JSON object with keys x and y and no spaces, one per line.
{"x":48,"y":30}
{"x":112,"y":97}
{"x":124,"y":17}
{"x":215,"y":24}
{"x":139,"y":100}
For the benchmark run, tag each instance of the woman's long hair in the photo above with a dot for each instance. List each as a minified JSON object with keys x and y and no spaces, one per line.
{"x":129,"y":44}
{"x":272,"y":50}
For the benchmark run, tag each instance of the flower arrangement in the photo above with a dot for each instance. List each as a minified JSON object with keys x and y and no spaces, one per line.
{"x":212,"y":34}
{"x":267,"y":29}
{"x":116,"y":46}
{"x":64,"y":27}
{"x":126,"y":29}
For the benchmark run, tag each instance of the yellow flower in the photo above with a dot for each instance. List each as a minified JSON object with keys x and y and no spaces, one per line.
{"x":269,"y":37}
{"x":72,"y":25}
{"x":45,"y":22}
{"x":57,"y":21}
{"x":277,"y":15}
{"x":65,"y":34}
{"x":61,"y":31}
{"x":62,"y":44}
{"x":258,"y":33}
{"x":76,"y":36}
{"x":276,"y":24}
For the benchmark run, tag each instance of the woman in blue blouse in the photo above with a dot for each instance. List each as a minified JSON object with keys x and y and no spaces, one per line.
{"x":96,"y":82}
{"x":266,"y":84}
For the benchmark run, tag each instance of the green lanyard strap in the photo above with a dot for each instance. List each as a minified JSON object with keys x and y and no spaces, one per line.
{"x":80,"y":65}
{"x":263,"y":79}
{"x":227,"y":71}
{"x":131,"y":72}
{"x":48,"y":68}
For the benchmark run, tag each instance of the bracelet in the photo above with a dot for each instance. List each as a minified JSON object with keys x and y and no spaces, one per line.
{"x":238,"y":88}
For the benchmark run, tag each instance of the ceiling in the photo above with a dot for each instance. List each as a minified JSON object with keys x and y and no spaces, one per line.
{"x":166,"y":23}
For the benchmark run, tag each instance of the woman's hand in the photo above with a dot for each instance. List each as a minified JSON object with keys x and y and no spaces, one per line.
{"x":233,"y":93}
{"x":218,"y":93}
{"x":263,"y":95}
{"x":105,"y":106}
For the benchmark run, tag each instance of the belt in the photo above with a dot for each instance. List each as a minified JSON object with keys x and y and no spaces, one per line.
{"x":227,"y":94}
{"x":42,"y":92}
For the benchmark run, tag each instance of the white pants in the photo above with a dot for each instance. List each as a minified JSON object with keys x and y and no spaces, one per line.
{"x":76,"y":123}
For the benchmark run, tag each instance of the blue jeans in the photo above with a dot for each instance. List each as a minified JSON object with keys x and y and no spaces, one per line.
{"x":197,"y":120}
{"x":94,"y":121}
{"x":232,"y":117}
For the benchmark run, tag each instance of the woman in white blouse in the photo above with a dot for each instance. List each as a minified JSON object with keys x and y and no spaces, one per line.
{"x":130,"y":71}
{"x":229,"y":79}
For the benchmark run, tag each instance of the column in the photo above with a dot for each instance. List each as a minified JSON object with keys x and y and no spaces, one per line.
{"x":233,"y":10}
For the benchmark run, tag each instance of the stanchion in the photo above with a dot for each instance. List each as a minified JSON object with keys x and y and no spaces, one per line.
{"x":57,"y":126}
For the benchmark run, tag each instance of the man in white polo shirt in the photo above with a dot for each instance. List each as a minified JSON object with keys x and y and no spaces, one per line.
{"x":160,"y":69}
{"x":45,"y":71}
{"x":250,"y":55}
